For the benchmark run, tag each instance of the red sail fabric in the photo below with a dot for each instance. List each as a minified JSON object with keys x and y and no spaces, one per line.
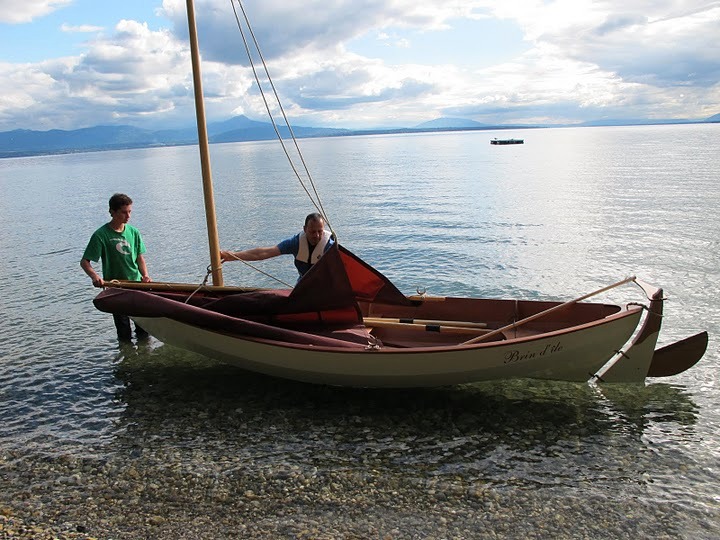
{"x":340,"y":279}
{"x":367,"y":283}
{"x":321,"y":310}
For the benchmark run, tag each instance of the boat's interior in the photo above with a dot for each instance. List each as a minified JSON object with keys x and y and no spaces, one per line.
{"x":442,"y":321}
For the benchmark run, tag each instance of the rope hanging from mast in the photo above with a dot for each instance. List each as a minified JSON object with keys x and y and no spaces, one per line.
{"x":314,"y":196}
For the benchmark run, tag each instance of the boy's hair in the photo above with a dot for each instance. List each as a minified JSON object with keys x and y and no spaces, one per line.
{"x":119,"y":200}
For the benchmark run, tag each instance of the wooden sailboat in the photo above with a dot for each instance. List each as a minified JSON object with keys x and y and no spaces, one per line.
{"x":345,"y":323}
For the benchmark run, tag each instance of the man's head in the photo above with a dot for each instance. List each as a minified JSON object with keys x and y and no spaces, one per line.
{"x":314,"y":227}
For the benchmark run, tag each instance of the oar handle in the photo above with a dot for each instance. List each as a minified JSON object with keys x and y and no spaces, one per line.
{"x":546,"y":312}
{"x":442,"y":329}
{"x":436,"y":322}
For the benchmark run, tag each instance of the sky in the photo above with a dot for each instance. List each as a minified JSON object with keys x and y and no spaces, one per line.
{"x":68,"y":64}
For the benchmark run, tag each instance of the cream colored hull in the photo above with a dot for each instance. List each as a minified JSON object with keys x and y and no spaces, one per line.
{"x":573,"y":354}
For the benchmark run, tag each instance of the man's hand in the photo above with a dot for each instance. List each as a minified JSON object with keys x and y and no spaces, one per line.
{"x":226,"y":256}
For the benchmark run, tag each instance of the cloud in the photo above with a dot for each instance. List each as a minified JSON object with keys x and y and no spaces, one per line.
{"x":596,"y":55}
{"x":673,"y":50}
{"x":580,"y":60}
{"x":656,"y":43}
{"x":134,"y":76}
{"x":339,"y":100}
{"x":14,"y":12}
{"x":305,"y":45}
{"x":284,"y":28}
{"x":85,"y":28}
{"x":619,"y":22}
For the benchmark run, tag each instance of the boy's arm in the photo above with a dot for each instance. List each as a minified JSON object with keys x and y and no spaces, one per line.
{"x":87,"y":267}
{"x":143,"y":269}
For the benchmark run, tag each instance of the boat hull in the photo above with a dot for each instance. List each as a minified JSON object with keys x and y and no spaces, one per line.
{"x":572,"y":354}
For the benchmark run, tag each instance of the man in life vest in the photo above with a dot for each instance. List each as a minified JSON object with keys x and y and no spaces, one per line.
{"x":306,"y":247}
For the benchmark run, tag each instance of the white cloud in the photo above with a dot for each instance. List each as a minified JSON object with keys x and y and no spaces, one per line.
{"x":134,"y":76}
{"x":12,"y":11}
{"x":82,"y":29}
{"x":583,"y":60}
{"x":659,"y":43}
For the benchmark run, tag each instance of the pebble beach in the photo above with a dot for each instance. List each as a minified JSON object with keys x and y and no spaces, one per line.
{"x":208,"y":451}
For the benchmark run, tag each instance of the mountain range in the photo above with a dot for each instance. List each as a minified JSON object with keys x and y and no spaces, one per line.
{"x":24,"y":142}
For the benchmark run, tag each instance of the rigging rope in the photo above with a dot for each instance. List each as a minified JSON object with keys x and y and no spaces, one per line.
{"x":202,"y":285}
{"x":261,"y":271}
{"x":316,"y":200}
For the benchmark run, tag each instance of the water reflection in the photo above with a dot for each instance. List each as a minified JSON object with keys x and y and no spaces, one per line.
{"x":519,"y":433}
{"x":641,"y":406}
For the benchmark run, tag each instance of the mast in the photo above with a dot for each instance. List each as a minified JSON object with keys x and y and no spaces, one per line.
{"x":210,"y":216}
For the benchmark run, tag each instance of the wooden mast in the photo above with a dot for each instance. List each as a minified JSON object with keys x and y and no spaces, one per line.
{"x":210,"y":216}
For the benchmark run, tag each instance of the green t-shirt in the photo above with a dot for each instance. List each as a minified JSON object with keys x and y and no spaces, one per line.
{"x":118,"y":251}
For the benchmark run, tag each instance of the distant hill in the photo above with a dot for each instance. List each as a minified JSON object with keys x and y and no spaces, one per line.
{"x":24,"y":142}
{"x":636,"y":122}
{"x":445,"y":123}
{"x":236,"y":123}
{"x":265,"y":132}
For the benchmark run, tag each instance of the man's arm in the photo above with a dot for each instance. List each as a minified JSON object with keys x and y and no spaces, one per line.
{"x":97,"y":281}
{"x":254,"y":254}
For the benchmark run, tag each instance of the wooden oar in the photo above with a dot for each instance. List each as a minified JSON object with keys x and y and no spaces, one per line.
{"x":163,"y":286}
{"x":546,"y":312}
{"x":425,"y":298}
{"x":465,"y":324}
{"x":383,"y":323}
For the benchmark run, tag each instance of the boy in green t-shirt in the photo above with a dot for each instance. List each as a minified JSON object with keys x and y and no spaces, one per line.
{"x":120,"y":247}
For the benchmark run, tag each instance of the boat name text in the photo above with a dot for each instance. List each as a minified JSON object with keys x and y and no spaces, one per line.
{"x":520,"y":356}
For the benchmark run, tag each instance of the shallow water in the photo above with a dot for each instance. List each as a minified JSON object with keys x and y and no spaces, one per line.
{"x":149,"y":441}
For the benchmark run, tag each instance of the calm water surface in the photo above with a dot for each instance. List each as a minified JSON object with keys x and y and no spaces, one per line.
{"x":159,"y":440}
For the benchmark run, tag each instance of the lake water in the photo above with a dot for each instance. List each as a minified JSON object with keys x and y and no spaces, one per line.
{"x":153,"y":442}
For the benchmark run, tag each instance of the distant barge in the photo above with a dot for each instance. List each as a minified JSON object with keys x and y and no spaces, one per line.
{"x":507,"y":141}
